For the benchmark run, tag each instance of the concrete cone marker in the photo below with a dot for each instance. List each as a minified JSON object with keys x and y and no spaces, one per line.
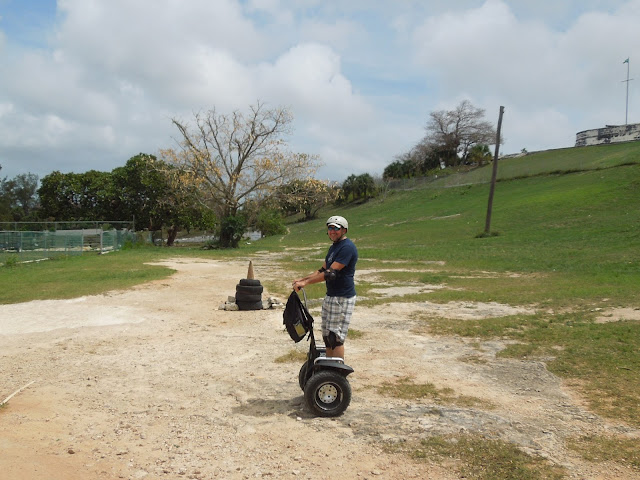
{"x":250,"y":272}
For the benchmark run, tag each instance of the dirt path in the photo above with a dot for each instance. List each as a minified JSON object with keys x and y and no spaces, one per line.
{"x":156,"y":382}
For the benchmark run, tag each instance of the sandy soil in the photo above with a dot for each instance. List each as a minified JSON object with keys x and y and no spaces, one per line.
{"x":157,"y":382}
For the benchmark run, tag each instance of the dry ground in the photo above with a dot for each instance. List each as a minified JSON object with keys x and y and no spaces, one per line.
{"x":157,"y":383}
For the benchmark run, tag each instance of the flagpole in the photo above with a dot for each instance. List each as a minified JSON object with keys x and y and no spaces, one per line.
{"x":626,"y":110}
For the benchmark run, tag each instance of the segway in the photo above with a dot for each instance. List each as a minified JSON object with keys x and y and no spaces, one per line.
{"x":323,"y":379}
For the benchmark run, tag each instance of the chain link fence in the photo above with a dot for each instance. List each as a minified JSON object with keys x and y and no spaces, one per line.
{"x":21,"y":245}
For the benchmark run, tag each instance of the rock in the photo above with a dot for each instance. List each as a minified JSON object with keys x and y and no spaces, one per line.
{"x":229,"y":306}
{"x":272,"y":302}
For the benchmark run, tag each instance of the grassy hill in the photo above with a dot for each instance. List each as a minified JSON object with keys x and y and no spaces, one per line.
{"x":568,"y":244}
{"x":563,"y":160}
{"x":567,"y":224}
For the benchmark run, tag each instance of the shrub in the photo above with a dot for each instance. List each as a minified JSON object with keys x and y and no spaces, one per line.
{"x":270,"y":222}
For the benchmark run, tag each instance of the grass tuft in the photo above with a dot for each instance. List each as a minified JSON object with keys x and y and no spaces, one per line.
{"x":607,"y":449}
{"x":354,"y":334}
{"x":406,"y":389}
{"x":482,"y":458}
{"x":292,"y":356}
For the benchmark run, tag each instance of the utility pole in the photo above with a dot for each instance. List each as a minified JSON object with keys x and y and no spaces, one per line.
{"x":626,"y":112}
{"x":487,"y":225}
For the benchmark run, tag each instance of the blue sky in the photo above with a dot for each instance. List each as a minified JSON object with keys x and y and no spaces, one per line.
{"x":87,"y":84}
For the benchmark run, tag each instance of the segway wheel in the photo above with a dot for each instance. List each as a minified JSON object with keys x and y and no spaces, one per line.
{"x":302,"y":376}
{"x":327,"y":393}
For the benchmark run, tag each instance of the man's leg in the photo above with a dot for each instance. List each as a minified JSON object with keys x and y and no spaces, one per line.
{"x":336,"y":316}
{"x":336,"y":352}
{"x":335,"y":348}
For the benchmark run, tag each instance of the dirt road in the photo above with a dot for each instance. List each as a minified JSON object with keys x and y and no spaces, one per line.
{"x":157,"y":383}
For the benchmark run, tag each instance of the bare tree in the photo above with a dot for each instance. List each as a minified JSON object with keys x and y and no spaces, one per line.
{"x":453,"y":133}
{"x":237,"y":157}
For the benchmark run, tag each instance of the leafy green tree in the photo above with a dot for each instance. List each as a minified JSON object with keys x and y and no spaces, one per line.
{"x":18,"y":198}
{"x":416,"y":162}
{"x":394,"y":170}
{"x":233,"y":227}
{"x":25,"y":188}
{"x":479,"y":154}
{"x":58,"y":197}
{"x":358,"y":187}
{"x":94,"y":190}
{"x":270,"y":222}
{"x":144,"y":190}
{"x":76,"y":196}
{"x":5,"y":201}
{"x":138,"y":190}
{"x":349,"y":187}
{"x":365,"y":186}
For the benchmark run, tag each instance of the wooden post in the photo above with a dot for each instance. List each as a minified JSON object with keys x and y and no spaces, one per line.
{"x":487,"y":225}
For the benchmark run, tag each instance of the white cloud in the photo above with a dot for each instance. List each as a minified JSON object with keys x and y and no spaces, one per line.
{"x":310,"y":77}
{"x":492,"y":55}
{"x":360,"y":77}
{"x":538,"y":130}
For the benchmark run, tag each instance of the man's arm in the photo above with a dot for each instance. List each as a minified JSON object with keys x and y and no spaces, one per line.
{"x":313,"y":277}
{"x":317,"y":276}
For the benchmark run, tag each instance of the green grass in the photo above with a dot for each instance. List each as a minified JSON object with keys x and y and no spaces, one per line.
{"x":553,"y":161}
{"x":570,"y":239}
{"x":91,"y":274}
{"x":481,"y":458}
{"x":407,"y":389}
{"x":601,"y":360}
{"x":75,"y":276}
{"x":292,"y":356}
{"x":606,"y":449}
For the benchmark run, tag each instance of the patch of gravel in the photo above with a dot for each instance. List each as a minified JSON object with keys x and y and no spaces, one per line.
{"x":155,"y":382}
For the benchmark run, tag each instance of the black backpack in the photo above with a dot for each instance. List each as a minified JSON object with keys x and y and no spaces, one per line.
{"x":296,"y":318}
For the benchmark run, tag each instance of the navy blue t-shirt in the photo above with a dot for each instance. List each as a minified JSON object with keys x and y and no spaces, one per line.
{"x":346,"y":253}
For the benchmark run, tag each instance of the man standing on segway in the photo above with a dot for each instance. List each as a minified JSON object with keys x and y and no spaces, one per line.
{"x":337,"y":271}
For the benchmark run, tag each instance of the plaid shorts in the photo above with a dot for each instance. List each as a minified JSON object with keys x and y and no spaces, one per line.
{"x":336,"y":315}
